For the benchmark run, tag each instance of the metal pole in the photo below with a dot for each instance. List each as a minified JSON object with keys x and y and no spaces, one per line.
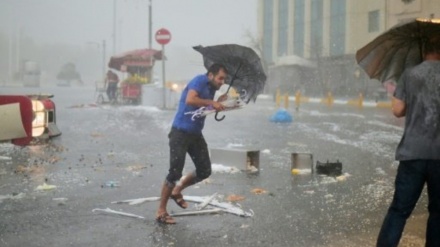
{"x":150,"y":39}
{"x":114,"y":27}
{"x":17,"y":47}
{"x":386,"y":16}
{"x":150,"y":25}
{"x":103,"y":57}
{"x":163,"y":77}
{"x":10,"y":58}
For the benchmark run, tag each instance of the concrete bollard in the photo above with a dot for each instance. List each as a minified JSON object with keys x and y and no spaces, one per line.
{"x":248,"y":160}
{"x":329,"y":100}
{"x":359,"y":102}
{"x":297,"y":99}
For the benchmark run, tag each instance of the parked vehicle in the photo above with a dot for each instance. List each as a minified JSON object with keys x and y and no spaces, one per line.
{"x":31,"y":74}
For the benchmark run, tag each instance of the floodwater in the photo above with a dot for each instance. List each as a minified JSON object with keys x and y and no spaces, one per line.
{"x":128,"y":144}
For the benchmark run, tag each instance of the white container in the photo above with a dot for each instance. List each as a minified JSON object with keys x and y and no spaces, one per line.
{"x":302,"y":161}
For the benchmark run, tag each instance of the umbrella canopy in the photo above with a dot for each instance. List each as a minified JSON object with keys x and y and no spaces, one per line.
{"x":245,"y":71}
{"x":386,"y":57}
{"x":135,"y":58}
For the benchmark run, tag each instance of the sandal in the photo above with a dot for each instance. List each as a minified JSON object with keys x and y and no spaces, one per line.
{"x":179,"y":200}
{"x":165,"y":219}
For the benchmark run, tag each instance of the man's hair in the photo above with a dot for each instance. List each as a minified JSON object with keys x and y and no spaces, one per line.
{"x":215,"y":68}
{"x":432,"y":46}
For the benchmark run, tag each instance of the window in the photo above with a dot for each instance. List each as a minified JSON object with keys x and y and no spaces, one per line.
{"x":267,"y":30}
{"x":298,"y":31}
{"x":373,"y":21}
{"x":316,"y":26}
{"x":337,"y":27}
{"x":283,"y":17}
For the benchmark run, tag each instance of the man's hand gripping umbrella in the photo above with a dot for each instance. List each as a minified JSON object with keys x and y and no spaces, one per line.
{"x":227,"y":103}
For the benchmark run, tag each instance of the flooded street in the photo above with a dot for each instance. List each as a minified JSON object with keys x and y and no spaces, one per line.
{"x":129,"y":145}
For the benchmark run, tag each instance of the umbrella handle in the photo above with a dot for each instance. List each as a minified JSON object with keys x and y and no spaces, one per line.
{"x":219,"y":119}
{"x":230,"y":85}
{"x":233,"y":77}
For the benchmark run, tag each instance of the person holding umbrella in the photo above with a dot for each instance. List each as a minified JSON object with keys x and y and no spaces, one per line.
{"x":186,"y":137}
{"x":417,"y":97}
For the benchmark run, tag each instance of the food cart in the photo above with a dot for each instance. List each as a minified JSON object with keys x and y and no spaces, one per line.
{"x":138,"y":65}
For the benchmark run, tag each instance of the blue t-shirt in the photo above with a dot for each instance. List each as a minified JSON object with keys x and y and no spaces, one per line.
{"x":204,"y":90}
{"x":419,"y":88}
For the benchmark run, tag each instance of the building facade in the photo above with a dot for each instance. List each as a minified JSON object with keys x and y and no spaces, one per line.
{"x":309,"y":45}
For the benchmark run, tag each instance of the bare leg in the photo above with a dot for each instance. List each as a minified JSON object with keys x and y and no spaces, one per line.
{"x":164,"y":196}
{"x":188,"y":180}
{"x":176,"y":193}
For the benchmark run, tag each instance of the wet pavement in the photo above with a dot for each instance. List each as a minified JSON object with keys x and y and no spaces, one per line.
{"x":128,"y":144}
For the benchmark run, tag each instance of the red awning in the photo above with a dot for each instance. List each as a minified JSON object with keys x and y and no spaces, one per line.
{"x":138,"y":58}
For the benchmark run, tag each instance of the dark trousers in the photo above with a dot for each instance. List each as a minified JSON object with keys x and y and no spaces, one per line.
{"x":111,"y":91}
{"x":181,"y":143}
{"x":410,"y":179}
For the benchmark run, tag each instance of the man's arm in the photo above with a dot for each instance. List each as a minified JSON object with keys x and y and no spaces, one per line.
{"x":193,"y":99}
{"x":398,"y":107}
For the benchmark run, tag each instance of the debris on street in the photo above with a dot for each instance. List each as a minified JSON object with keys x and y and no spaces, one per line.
{"x":197,"y":212}
{"x":5,"y":158}
{"x":137,"y":201}
{"x":234,"y":198}
{"x":218,"y":168}
{"x":110,"y":211}
{"x":45,"y":186}
{"x":206,"y":202}
{"x":258,"y":191}
{"x":212,"y":202}
{"x":12,"y":196}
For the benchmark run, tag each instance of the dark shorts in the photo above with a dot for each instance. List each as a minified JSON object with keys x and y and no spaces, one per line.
{"x":181,"y":143}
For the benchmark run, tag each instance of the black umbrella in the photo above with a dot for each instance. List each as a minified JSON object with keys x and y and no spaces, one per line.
{"x":387,"y":56}
{"x":246,"y":73}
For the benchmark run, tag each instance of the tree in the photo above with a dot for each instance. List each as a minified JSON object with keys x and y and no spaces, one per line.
{"x":256,"y":43}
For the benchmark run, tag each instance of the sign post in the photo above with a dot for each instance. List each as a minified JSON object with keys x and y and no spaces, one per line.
{"x":163,"y":37}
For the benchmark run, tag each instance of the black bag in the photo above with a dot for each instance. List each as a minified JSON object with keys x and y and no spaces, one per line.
{"x":329,"y":168}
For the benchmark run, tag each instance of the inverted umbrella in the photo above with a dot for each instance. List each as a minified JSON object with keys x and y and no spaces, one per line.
{"x":387,"y":56}
{"x":245,"y":71}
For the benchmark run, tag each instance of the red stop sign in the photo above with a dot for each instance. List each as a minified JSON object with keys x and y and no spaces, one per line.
{"x":163,"y":36}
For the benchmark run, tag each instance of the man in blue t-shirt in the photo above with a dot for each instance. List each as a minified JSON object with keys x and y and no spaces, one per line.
{"x":186,"y":137}
{"x":417,"y":97}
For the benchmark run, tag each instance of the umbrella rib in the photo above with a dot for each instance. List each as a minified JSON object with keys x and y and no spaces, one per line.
{"x":233,"y":78}
{"x":386,"y":58}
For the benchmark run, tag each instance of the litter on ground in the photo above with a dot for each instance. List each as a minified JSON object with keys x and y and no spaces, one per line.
{"x":5,"y":158}
{"x":258,"y":191}
{"x":197,"y":212}
{"x":45,"y":186}
{"x":226,"y":207}
{"x":111,"y":211}
{"x":12,"y":196}
{"x":218,"y":168}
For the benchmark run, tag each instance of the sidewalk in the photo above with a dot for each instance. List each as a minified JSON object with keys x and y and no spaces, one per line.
{"x":330,"y":100}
